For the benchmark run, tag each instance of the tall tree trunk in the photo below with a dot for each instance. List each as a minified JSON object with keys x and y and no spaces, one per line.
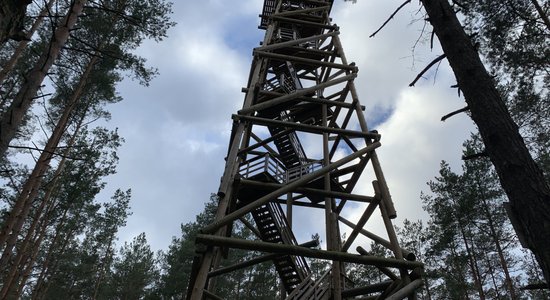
{"x":25,"y":256}
{"x":104,"y":265}
{"x":500,"y":252}
{"x":35,"y":249}
{"x":473,"y":263}
{"x":519,"y":175}
{"x":12,"y":13}
{"x":13,"y":117}
{"x":492,"y":273}
{"x":8,"y":66}
{"x":470,"y":250}
{"x":458,"y":267}
{"x":50,"y":263}
{"x":13,"y":224}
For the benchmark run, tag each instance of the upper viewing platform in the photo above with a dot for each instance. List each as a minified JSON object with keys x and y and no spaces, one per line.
{"x":313,"y":8}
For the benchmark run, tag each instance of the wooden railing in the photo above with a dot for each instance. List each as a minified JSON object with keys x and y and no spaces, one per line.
{"x":312,"y":290}
{"x":265,"y":163}
{"x":288,"y":237}
{"x":299,"y":171}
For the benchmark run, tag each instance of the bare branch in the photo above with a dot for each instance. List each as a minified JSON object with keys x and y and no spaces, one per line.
{"x":456,"y":112}
{"x":435,"y":61}
{"x":475,"y":155}
{"x":391,"y":17}
{"x":35,"y":148}
{"x":42,"y":96}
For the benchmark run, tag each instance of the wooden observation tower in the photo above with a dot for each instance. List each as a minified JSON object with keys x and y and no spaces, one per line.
{"x":301,"y":89}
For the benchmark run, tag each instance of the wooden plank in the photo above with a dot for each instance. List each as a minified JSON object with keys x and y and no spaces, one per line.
{"x":333,"y":194}
{"x":301,"y":11}
{"x":407,"y":290}
{"x":407,"y":254}
{"x":256,"y":260}
{"x":294,"y":95}
{"x":275,"y":46}
{"x":298,"y":21}
{"x":212,"y":240}
{"x":306,"y":61}
{"x":362,"y":221}
{"x":308,"y":128}
{"x":326,"y":101}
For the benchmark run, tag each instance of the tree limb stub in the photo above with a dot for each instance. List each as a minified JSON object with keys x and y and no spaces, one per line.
{"x":456,"y":112}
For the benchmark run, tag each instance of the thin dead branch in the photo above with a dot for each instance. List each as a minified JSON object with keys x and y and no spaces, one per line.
{"x":391,"y":17}
{"x":42,"y":96}
{"x":35,"y":148}
{"x":475,"y":155}
{"x":456,"y":112}
{"x":435,"y":61}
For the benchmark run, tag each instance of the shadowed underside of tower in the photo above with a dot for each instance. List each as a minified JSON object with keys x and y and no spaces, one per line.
{"x":301,"y":141}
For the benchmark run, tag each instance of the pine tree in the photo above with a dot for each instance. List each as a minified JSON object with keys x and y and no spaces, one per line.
{"x":415,"y":237}
{"x":13,"y":117}
{"x":452,"y":232}
{"x":481,"y":184}
{"x":134,"y":271}
{"x":177,"y":262}
{"x":521,"y":178}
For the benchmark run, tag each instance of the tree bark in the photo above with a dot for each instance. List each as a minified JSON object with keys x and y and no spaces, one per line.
{"x":13,"y":117}
{"x":522,"y":180}
{"x":8,"y":66}
{"x":14,"y":222}
{"x":472,"y":259}
{"x":12,"y":13}
{"x":50,"y":263}
{"x":26,"y":256}
{"x":103,"y":266}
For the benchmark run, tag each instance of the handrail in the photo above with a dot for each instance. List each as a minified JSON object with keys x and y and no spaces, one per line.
{"x":266,"y":163}
{"x":287,"y":237}
{"x":301,"y":170}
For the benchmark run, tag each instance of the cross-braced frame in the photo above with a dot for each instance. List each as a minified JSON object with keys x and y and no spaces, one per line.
{"x":301,"y":140}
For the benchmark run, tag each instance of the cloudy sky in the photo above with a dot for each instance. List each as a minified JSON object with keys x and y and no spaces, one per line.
{"x":177,"y":129}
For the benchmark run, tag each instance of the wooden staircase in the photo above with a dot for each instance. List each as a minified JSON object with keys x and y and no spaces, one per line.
{"x":291,"y":152}
{"x":270,"y":220}
{"x":311,"y":289}
{"x":273,"y":228}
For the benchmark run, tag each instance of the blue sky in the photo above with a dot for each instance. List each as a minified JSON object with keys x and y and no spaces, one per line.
{"x":177,"y":129}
